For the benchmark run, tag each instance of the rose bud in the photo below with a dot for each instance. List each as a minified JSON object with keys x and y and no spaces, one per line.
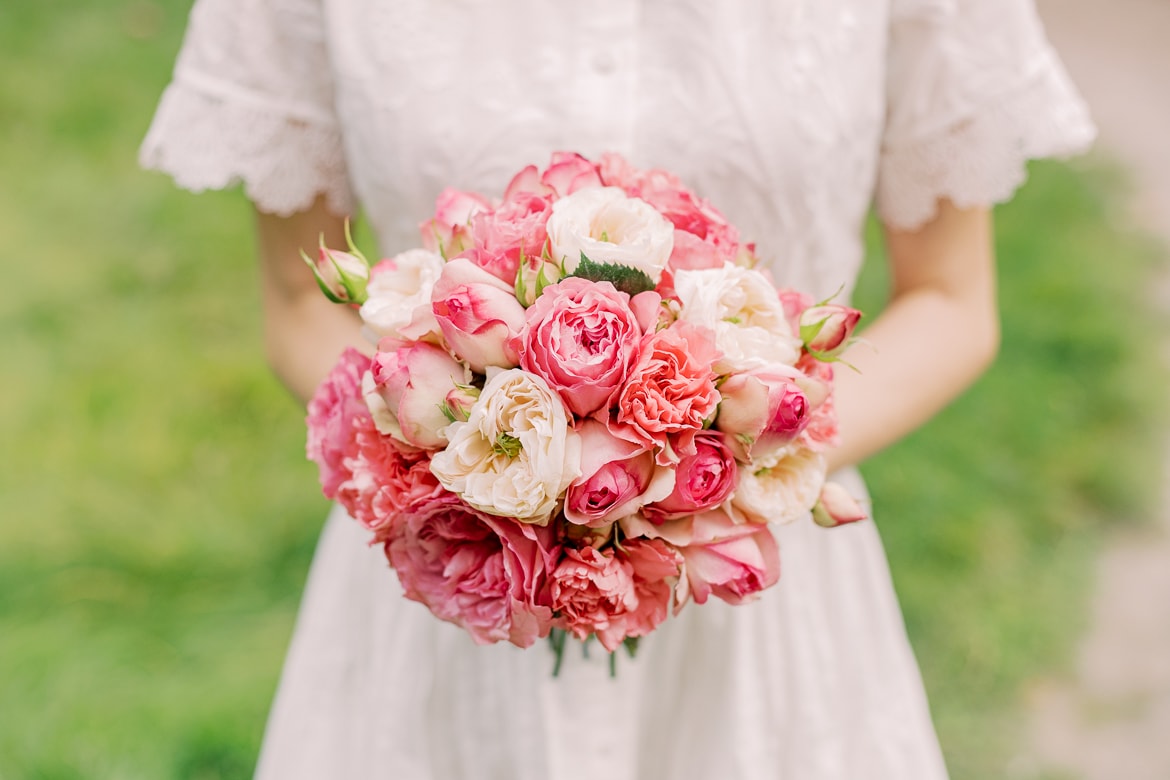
{"x":826,"y":330}
{"x":342,"y":276}
{"x":836,"y":507}
{"x":534,"y":274}
{"x":457,"y":405}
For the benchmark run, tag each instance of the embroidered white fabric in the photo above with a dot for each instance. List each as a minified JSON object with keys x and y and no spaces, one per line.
{"x":788,"y":115}
{"x":208,"y":140}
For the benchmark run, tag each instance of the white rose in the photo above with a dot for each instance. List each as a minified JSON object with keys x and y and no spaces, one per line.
{"x":516,"y":454}
{"x":744,"y":311}
{"x":610,"y":227}
{"x":399,"y":303}
{"x":782,"y":487}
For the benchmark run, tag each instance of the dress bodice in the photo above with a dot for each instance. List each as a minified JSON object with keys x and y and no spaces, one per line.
{"x":787,"y":115}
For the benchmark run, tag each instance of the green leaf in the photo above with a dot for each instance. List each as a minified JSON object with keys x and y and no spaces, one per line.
{"x":507,"y":445}
{"x":628,"y":280}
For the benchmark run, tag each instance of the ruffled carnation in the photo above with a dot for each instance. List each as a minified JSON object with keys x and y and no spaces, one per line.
{"x":483,"y":573}
{"x":330,"y":420}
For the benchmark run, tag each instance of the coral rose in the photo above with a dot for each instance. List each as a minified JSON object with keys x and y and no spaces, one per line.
{"x":330,"y":419}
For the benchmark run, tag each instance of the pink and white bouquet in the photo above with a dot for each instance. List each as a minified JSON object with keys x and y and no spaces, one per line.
{"x":585,"y":407}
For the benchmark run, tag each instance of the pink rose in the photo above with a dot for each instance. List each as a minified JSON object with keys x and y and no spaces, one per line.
{"x":569,"y":172}
{"x":670,"y":392}
{"x":732,"y":560}
{"x":448,"y":232}
{"x":486,"y":574}
{"x":762,"y":410}
{"x":617,"y":478}
{"x":513,"y":230}
{"x":827,"y":329}
{"x":408,"y":378}
{"x":478,"y":315}
{"x":702,"y":480}
{"x":331,"y":419}
{"x":582,"y":337}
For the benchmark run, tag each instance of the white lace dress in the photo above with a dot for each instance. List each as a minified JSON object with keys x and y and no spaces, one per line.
{"x":789,"y":115}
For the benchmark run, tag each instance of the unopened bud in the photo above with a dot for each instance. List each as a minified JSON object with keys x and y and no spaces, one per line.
{"x":836,"y":507}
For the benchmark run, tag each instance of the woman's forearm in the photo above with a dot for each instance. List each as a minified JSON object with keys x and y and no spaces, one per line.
{"x":938,"y":333}
{"x":923,"y":351}
{"x":303,"y":331}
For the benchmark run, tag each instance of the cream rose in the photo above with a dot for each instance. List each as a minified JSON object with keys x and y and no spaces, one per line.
{"x":741,"y":307}
{"x":516,"y":454}
{"x":399,"y":303}
{"x":610,"y":227}
{"x":782,"y":487}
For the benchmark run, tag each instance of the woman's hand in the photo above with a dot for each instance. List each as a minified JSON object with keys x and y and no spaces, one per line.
{"x":938,"y":333}
{"x":303,"y":331}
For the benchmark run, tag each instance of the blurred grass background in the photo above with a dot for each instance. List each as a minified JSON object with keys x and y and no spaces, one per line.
{"x":158,"y":516}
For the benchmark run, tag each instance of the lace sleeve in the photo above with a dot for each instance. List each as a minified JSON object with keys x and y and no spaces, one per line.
{"x":975,"y":91}
{"x":252,"y":101}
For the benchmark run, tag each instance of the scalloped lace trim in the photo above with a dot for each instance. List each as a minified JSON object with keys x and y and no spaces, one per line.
{"x":205,"y":141}
{"x":983,"y":161}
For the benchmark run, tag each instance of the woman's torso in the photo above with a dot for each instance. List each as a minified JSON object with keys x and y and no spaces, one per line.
{"x":770,"y":109}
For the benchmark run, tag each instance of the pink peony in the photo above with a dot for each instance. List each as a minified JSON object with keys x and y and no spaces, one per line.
{"x":478,"y":315}
{"x":330,"y":420}
{"x":617,"y":478}
{"x":486,"y":574}
{"x":582,"y":337}
{"x":670,"y":393}
{"x":702,"y":480}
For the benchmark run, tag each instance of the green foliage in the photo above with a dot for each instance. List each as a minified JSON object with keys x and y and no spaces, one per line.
{"x":626,"y":279}
{"x":159,"y":515}
{"x":992,"y":512}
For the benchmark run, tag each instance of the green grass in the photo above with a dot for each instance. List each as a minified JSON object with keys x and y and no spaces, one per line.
{"x":159,"y":517}
{"x":992,"y":512}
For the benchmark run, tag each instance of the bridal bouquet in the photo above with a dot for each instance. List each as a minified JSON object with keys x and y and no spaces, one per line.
{"x":585,"y":406}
